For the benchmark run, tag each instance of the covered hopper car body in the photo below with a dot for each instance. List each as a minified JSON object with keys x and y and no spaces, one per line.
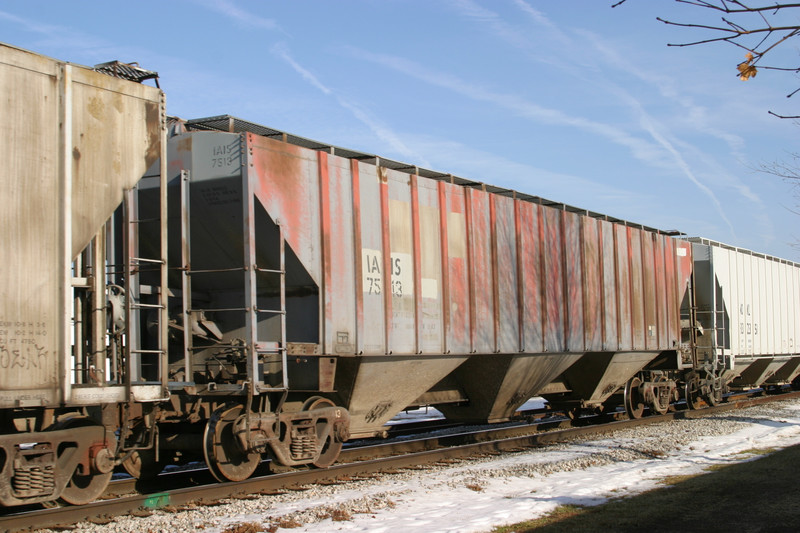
{"x":748,"y":308}
{"x":214,"y":289}
{"x":73,"y":141}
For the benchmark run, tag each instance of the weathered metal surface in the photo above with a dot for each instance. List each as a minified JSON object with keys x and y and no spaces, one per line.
{"x":596,"y":377}
{"x":456,"y":281}
{"x":72,"y":140}
{"x":373,"y":266}
{"x":498,"y":384}
{"x":375,"y":388}
{"x":397,"y":264}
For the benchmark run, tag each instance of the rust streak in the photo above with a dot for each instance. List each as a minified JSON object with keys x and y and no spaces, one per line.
{"x":495,"y":281}
{"x":387,"y":259}
{"x":325,"y":222}
{"x":359,"y":281}
{"x":415,"y":233}
{"x":445,"y":264}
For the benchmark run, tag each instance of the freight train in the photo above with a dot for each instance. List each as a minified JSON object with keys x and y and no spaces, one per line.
{"x":213,"y":289}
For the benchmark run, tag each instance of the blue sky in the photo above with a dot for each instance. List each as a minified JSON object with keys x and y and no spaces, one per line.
{"x":570,"y":100}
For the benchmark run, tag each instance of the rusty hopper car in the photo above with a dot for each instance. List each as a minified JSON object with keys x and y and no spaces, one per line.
{"x":335,"y":285}
{"x":748,"y":310}
{"x":72,"y":141}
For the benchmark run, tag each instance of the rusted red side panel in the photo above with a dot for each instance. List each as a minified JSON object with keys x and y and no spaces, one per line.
{"x":520,"y":288}
{"x":357,"y":250}
{"x":573,"y":262}
{"x":444,"y":209}
{"x":554,"y":337}
{"x":506,"y":275}
{"x":649,"y":290}
{"x":409,"y":265}
{"x":339,"y":256}
{"x":325,"y":219}
{"x":637,"y":287}
{"x":495,"y":274}
{"x":386,"y":255}
{"x":458,"y":261}
{"x":288,"y":188}
{"x":623,"y":289}
{"x":532,"y":282}
{"x":430,"y":282}
{"x":663,"y":294}
{"x":671,"y":293}
{"x":373,"y":280}
{"x":610,"y":290}
{"x":592,"y":285}
{"x":400,"y":254}
{"x":417,"y":262}
{"x":481,"y":271}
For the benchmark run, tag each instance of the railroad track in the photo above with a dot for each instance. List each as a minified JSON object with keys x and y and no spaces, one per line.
{"x":353,"y":463}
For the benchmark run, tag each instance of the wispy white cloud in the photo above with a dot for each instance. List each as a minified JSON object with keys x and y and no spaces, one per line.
{"x":640,"y":148}
{"x":480,"y":14}
{"x":695,"y":115}
{"x":472,"y":162}
{"x":649,"y":126}
{"x":380,"y":130}
{"x":241,"y":16}
{"x":51,"y":36}
{"x":282,"y":51}
{"x":27,"y":24}
{"x":665,"y":153}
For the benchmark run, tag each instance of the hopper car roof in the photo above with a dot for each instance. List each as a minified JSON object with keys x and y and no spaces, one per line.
{"x":230,"y":124}
{"x":745,"y":251}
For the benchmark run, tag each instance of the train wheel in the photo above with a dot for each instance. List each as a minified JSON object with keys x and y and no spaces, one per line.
{"x":634,"y":403}
{"x":691,"y":391}
{"x":85,"y":486}
{"x":142,"y":464}
{"x":331,"y":448}
{"x":224,"y":455}
{"x":83,"y":489}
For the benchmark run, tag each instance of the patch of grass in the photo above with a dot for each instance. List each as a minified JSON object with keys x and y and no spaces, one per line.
{"x":475,"y":487}
{"x":757,"y":451}
{"x":562,"y":512}
{"x":674,"y":480}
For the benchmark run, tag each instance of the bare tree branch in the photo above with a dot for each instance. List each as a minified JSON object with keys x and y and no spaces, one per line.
{"x":741,"y":9}
{"x":756,"y":26}
{"x":783,"y":116}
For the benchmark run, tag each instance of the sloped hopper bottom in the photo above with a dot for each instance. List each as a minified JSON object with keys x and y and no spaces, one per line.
{"x":382,"y":386}
{"x":497,"y":385}
{"x":757,"y":371}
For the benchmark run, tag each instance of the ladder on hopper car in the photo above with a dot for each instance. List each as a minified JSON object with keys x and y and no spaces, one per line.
{"x":142,"y":365}
{"x":264,"y":358}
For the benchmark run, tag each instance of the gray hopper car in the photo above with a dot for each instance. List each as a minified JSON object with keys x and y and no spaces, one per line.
{"x":217,"y":290}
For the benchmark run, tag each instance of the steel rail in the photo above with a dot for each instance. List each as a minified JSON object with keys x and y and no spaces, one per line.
{"x":368,"y":460}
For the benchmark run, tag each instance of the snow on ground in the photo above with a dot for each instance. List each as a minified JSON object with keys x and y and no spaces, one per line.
{"x":478,"y":494}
